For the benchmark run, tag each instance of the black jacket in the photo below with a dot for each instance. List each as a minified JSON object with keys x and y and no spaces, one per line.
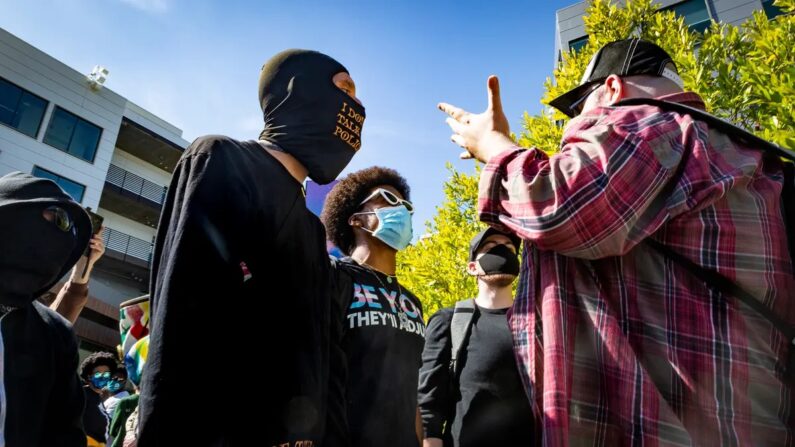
{"x":41,"y":400}
{"x":242,"y":332}
{"x":41,"y":393}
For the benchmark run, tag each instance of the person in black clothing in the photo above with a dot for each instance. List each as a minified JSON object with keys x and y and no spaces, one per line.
{"x":43,"y":232}
{"x":480,"y":401}
{"x":97,"y":370}
{"x":368,"y":216}
{"x":240,"y":266}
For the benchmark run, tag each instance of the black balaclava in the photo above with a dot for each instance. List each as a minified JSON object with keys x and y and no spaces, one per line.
{"x":306,"y":115}
{"x":35,"y":253}
{"x":499,"y":259}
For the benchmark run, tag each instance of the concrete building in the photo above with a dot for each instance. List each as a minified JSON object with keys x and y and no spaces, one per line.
{"x":570,"y":28}
{"x":107,"y":152}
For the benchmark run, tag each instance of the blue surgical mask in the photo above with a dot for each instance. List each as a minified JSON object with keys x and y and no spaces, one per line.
{"x":114,"y":386}
{"x":394,"y":226}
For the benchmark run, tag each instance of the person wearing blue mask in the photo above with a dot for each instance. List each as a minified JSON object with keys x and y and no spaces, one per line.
{"x":97,"y":371}
{"x":116,"y":389}
{"x":368,"y":217}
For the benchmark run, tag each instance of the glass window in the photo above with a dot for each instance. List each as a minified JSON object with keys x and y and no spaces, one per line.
{"x":73,"y":135}
{"x":74,"y":189}
{"x":577,"y":44}
{"x":29,"y":114}
{"x":9,"y":98}
{"x":770,"y":9}
{"x":20,"y":109}
{"x":59,"y":132}
{"x":694,"y":12}
{"x":84,"y":140}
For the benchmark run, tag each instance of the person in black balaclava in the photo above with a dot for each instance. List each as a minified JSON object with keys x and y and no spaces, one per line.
{"x":478,"y":399}
{"x":240,"y":269}
{"x":43,"y":233}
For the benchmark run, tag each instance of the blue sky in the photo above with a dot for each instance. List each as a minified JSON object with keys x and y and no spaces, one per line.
{"x":195,"y":63}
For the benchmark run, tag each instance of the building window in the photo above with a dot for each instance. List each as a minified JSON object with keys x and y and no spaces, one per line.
{"x":770,"y":9}
{"x":74,"y":189}
{"x":73,"y":135}
{"x":577,"y":44}
{"x":20,"y":109}
{"x":694,"y":12}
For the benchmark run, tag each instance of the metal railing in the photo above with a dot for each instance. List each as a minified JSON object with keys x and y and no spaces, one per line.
{"x":128,"y":246}
{"x":136,"y":184}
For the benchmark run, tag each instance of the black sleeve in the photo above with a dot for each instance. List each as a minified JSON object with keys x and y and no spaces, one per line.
{"x":201,"y":217}
{"x":341,"y":288}
{"x":196,"y":260}
{"x":434,"y":396}
{"x":65,"y":416}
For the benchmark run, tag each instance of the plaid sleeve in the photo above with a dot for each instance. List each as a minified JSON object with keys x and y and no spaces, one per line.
{"x":597,"y":197}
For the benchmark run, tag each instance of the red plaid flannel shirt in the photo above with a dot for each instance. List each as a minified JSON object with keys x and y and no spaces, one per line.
{"x":616,"y":344}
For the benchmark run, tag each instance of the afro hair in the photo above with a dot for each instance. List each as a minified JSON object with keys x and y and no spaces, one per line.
{"x":345,"y":198}
{"x":97,"y":359}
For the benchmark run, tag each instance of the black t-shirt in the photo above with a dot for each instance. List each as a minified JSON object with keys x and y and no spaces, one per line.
{"x":383,"y":339}
{"x":491,"y":407}
{"x":240,"y":307}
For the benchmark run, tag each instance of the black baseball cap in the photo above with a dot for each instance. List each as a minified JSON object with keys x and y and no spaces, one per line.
{"x":626,"y":57}
{"x":481,"y":237}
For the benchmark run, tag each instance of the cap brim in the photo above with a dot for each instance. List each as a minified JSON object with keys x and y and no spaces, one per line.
{"x":485,"y":234}
{"x":566,"y":101}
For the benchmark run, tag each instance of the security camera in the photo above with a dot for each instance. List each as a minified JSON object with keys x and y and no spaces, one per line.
{"x":97,"y":77}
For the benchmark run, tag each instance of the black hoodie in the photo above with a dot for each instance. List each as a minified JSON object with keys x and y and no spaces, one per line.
{"x":40,"y":393}
{"x":244,"y":337}
{"x":244,"y":344}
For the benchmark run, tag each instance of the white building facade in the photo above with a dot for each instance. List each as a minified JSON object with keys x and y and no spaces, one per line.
{"x":108,"y":153}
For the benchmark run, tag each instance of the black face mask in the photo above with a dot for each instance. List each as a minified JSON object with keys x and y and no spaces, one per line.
{"x":306,"y":115}
{"x":34,"y":253}
{"x":499,"y":259}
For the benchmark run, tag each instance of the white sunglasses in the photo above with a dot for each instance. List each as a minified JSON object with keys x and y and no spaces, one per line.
{"x":390,"y":198}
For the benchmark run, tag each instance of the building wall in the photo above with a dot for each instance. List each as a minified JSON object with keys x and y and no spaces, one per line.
{"x":735,"y":11}
{"x":125,"y":225}
{"x":115,"y":290}
{"x":157,"y":125}
{"x":570,"y":25}
{"x":60,"y":85}
{"x":133,"y":164}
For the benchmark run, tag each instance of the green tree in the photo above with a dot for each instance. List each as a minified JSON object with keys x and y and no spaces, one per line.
{"x":744,"y":73}
{"x":435,"y":268}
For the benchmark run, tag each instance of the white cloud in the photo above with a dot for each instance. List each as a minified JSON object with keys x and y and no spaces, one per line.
{"x":151,"y":6}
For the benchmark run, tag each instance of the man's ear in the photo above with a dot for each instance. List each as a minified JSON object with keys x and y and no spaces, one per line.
{"x":472,"y":268}
{"x":615,"y":89}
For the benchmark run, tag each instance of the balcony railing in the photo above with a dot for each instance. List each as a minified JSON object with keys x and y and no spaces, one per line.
{"x":136,"y":185}
{"x":130,"y":248}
